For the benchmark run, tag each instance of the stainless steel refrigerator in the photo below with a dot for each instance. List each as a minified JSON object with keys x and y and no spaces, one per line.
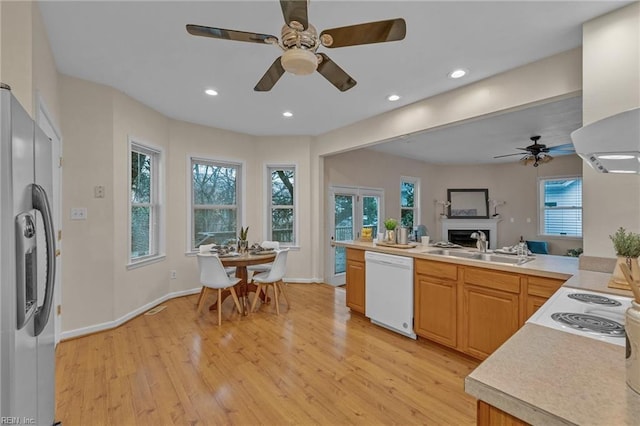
{"x":27,"y":268}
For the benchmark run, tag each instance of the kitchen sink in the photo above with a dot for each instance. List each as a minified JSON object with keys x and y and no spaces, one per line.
{"x":487,"y":257}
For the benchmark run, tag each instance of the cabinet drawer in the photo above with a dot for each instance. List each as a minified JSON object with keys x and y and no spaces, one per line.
{"x":543,"y":287}
{"x":492,"y":279}
{"x":446,"y":271}
{"x":355,"y":254}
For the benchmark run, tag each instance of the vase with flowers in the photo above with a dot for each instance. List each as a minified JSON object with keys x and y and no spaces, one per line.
{"x":390,"y":226}
{"x":627,"y":248}
{"x":243,"y":243}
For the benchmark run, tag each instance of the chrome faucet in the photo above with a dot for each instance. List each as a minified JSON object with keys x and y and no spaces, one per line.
{"x":482,"y":240}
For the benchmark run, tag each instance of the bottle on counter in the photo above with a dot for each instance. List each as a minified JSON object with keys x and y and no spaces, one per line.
{"x":522,"y":250}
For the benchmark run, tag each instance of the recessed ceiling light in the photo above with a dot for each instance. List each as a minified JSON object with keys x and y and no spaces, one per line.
{"x":458,"y":73}
{"x":393,"y":98}
{"x":616,"y":157}
{"x":211,"y":92}
{"x":287,"y":114}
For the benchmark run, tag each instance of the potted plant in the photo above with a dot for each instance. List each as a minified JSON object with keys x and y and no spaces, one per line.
{"x":627,"y":248}
{"x":390,"y":225}
{"x":242,"y":240}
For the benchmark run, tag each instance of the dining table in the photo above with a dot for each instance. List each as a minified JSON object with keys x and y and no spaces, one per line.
{"x":240,"y":261}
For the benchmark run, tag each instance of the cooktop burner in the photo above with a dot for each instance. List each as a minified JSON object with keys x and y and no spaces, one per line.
{"x":594,"y":299}
{"x":590,"y":323}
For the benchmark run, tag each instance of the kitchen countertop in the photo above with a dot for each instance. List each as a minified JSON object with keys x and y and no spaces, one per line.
{"x":549,"y":377}
{"x":549,"y":266}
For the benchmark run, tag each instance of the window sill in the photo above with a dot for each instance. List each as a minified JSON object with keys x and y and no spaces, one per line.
{"x":145,"y":262}
{"x":559,"y":237}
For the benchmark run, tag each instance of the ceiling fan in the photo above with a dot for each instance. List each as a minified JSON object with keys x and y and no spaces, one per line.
{"x":300,"y":40}
{"x":539,"y":153}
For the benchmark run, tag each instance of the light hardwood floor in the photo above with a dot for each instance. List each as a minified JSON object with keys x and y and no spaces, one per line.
{"x":314,"y":364}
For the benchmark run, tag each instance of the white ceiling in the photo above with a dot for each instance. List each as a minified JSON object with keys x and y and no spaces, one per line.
{"x":143,"y":49}
{"x":478,"y":141}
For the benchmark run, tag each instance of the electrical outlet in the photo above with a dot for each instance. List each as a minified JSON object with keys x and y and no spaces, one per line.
{"x":78,"y":213}
{"x":98,"y":191}
{"x":174,"y":275}
{"x":528,"y":220}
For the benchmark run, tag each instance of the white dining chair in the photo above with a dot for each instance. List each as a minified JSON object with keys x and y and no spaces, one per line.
{"x":206,"y":248}
{"x":273,"y":278}
{"x":264,"y":267}
{"x":213,"y":276}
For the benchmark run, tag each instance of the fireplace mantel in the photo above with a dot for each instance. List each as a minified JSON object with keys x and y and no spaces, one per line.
{"x":474,"y":225}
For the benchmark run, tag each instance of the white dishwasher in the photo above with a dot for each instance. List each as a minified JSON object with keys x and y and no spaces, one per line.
{"x":389,"y":292}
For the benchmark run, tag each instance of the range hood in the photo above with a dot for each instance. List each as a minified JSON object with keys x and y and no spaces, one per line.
{"x":611,"y":145}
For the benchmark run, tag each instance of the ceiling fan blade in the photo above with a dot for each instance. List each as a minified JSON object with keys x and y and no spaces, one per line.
{"x":271,"y":77}
{"x":370,"y":32}
{"x":221,"y":33}
{"x":567,"y":147}
{"x":336,"y":75}
{"x":295,"y":10}
{"x":508,"y":155}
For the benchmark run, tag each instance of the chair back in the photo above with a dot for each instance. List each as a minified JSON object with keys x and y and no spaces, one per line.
{"x":279,"y":266}
{"x":205,"y":248}
{"x":270,"y":245}
{"x":538,"y":247}
{"x":212,"y":273}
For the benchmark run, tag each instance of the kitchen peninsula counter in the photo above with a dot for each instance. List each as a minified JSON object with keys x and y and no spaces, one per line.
{"x":541,"y":375}
{"x":560,"y":267}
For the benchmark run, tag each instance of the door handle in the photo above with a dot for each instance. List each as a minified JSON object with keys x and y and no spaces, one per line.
{"x":41,"y":203}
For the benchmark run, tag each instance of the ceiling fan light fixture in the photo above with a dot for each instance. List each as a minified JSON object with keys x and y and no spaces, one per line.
{"x":299,"y":61}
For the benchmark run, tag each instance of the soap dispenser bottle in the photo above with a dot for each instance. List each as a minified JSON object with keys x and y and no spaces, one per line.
{"x":522,"y":248}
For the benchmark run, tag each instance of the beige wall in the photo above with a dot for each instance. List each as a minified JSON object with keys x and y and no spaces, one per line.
{"x":511,"y":182}
{"x":45,"y":74}
{"x":89,"y":261}
{"x":17,"y":50}
{"x":611,"y":63}
{"x":136,"y":287}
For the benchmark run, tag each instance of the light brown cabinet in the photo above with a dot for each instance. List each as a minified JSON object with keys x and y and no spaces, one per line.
{"x":539,"y":290}
{"x":355,"y":278}
{"x":473,"y":309}
{"x":435,"y":301}
{"x":488,"y":415}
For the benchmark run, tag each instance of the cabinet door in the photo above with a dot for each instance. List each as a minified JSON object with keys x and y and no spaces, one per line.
{"x":490,"y":318}
{"x":435,"y":309}
{"x":355,"y":285}
{"x":533,"y":304}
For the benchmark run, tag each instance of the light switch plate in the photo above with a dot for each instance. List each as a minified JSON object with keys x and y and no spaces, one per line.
{"x":78,"y":213}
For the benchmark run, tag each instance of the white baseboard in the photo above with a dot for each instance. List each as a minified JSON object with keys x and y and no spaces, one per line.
{"x":70,"y":334}
{"x":116,"y":323}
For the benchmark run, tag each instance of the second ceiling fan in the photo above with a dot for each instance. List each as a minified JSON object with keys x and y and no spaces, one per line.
{"x":539,"y":153}
{"x":300,"y":40}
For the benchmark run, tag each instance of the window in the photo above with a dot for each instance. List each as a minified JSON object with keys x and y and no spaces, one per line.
{"x":409,"y":201}
{"x":561,"y":206}
{"x":215,"y":192}
{"x":145,"y":209}
{"x":282,"y":212}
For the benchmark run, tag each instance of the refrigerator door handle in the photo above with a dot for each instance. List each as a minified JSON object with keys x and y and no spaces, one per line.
{"x":41,"y":202}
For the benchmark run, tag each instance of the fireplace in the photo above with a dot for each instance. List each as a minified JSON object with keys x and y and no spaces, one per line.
{"x":463,"y":237}
{"x":488,"y":226}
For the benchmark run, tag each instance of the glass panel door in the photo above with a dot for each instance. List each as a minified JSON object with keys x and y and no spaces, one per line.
{"x":351,"y":209}
{"x":343,"y":228}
